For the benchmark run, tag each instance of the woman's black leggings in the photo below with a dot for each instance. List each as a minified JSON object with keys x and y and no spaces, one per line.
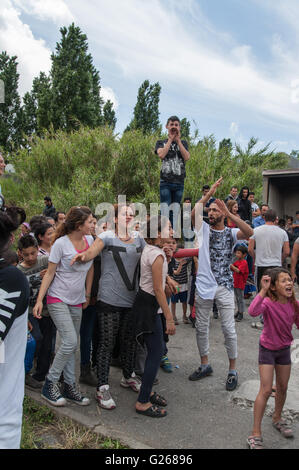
{"x":113,"y":323}
{"x":155,"y":349}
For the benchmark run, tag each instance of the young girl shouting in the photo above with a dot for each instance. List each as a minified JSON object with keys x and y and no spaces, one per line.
{"x":276,"y":302}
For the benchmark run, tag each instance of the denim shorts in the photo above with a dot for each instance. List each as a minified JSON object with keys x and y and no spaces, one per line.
{"x":181,"y":297}
{"x":280,"y":357}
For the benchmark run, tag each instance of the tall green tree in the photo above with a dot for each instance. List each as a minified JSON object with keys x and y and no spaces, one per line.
{"x":37,"y":105}
{"x":10,"y":110}
{"x":75,"y":82}
{"x":109,"y":117}
{"x":185,"y":128}
{"x":146,"y":111}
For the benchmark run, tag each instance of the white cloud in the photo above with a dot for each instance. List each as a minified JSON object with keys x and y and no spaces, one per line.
{"x":108,"y":94}
{"x":16,"y":38}
{"x":153,"y":40}
{"x":54,"y":10}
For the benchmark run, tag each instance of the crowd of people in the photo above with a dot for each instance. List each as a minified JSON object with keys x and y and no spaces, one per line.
{"x":113,"y":292}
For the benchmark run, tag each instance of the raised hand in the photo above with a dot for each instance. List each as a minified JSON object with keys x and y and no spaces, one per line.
{"x":222,"y":207}
{"x":265,"y":283}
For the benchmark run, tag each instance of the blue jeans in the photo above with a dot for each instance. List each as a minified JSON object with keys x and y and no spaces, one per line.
{"x":171,"y":193}
{"x":89,"y":316}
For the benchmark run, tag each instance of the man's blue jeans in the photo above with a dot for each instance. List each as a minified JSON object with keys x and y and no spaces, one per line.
{"x":171,"y":193}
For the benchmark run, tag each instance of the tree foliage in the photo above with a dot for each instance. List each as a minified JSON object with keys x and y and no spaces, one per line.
{"x":90,"y":166}
{"x":10,"y":110}
{"x":146,"y":111}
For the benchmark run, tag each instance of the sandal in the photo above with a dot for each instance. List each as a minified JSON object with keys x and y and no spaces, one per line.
{"x":157,"y":399}
{"x":284,"y":428}
{"x":255,"y":442}
{"x":153,"y":412}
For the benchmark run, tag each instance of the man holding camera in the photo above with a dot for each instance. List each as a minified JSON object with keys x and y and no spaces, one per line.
{"x":174,"y":153}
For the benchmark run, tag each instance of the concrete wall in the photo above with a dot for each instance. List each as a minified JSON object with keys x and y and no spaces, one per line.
{"x":283,"y":194}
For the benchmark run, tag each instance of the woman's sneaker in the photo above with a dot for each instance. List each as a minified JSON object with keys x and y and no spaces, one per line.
{"x":104,"y":398}
{"x":72,"y":393}
{"x":133,"y":382}
{"x":52,"y":394}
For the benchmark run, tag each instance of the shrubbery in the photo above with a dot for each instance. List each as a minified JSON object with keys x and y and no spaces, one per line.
{"x":90,"y":166}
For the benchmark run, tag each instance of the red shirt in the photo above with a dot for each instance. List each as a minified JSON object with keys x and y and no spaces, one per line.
{"x":241,"y":277}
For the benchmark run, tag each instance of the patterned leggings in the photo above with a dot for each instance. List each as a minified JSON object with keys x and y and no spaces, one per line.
{"x":113,"y":323}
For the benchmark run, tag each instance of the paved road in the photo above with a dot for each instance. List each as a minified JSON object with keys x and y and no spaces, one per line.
{"x":200,"y":414}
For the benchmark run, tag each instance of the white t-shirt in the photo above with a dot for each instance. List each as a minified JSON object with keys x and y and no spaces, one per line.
{"x":68,"y":284}
{"x":269,"y":241}
{"x":206,"y":283}
{"x":149,"y":255}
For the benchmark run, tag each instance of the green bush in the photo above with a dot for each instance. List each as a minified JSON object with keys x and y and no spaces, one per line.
{"x":90,"y":166}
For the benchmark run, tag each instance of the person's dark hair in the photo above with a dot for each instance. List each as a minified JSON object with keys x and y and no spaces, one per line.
{"x":37,"y":220}
{"x":55,"y":217}
{"x":26,"y":242}
{"x":251,"y":193}
{"x":47,"y":198}
{"x":234,"y":187}
{"x":11,"y":257}
{"x":10,"y":219}
{"x":290,"y":217}
{"x":205,"y":186}
{"x":264,"y":205}
{"x":241,"y":248}
{"x":281,"y":223}
{"x":75,"y":217}
{"x":241,"y":192}
{"x":270,"y":215}
{"x":155,"y":224}
{"x":188,"y":199}
{"x":274,"y":275}
{"x":173,"y":119}
{"x":297,"y":212}
{"x":41,"y":230}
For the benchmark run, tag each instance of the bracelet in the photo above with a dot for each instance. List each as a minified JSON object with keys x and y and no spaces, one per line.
{"x":88,"y":296}
{"x":168,"y":321}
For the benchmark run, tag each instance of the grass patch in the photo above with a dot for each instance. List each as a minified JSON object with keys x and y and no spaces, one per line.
{"x":42,"y":429}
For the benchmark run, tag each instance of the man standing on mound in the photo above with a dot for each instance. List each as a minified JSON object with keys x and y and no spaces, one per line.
{"x":214,"y":280}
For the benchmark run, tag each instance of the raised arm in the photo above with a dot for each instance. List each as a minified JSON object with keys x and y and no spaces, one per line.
{"x":245,"y":231}
{"x":196,"y":214}
{"x":89,"y":254}
{"x":294,"y":261}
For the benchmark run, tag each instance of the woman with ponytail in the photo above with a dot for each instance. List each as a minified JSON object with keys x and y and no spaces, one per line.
{"x":14,"y":300}
{"x":68,"y":290}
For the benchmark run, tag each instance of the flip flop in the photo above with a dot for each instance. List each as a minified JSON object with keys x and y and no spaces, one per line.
{"x":157,"y":399}
{"x":153,"y":412}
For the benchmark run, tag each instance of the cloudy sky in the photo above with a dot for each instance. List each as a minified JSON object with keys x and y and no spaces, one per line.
{"x":231,"y":66}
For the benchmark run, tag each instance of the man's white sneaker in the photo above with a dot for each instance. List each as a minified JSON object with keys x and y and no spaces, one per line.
{"x":104,"y":398}
{"x":133,"y":382}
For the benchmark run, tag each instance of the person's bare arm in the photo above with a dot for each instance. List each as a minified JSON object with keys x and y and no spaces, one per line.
{"x":47,"y":279}
{"x":196,"y":216}
{"x":285,"y":250}
{"x":245,"y":231}
{"x":89,"y":254}
{"x":157,"y":268}
{"x":295,"y":255}
{"x":163,"y":151}
{"x":251,"y":245}
{"x":234,"y":268}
